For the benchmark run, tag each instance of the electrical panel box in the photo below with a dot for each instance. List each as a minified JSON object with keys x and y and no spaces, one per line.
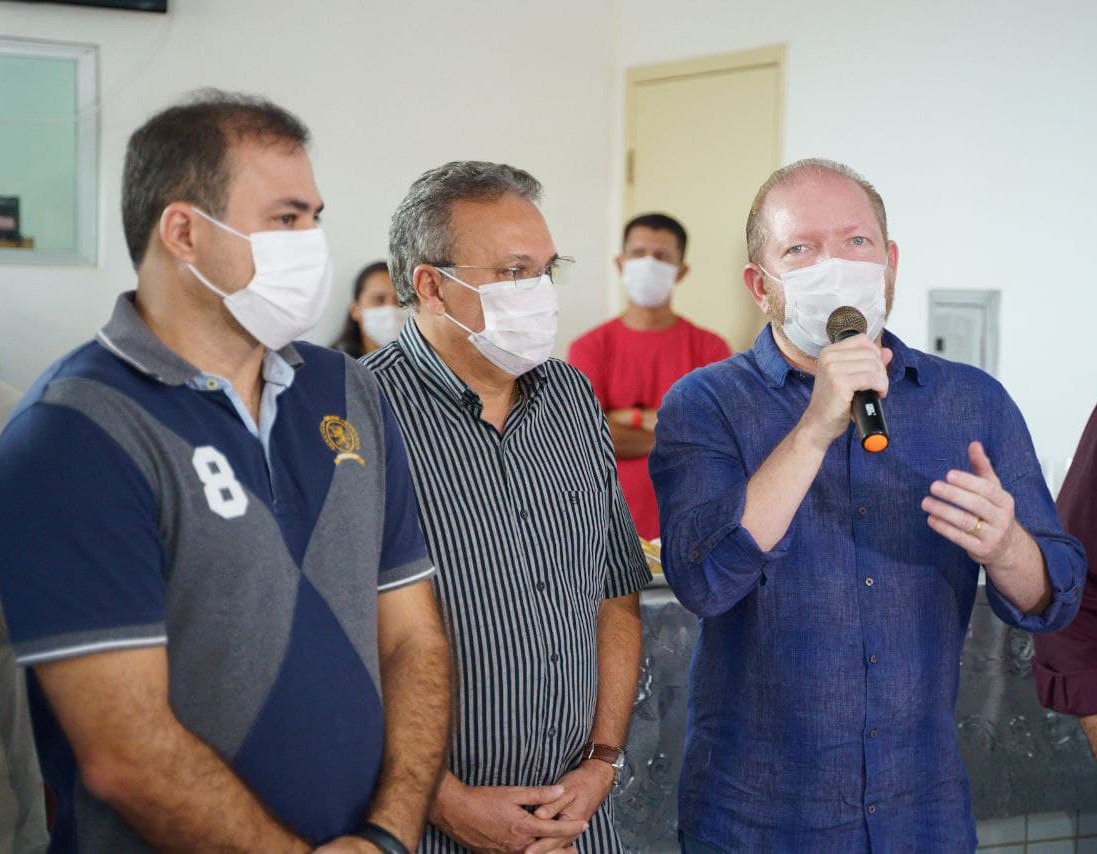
{"x":963,"y":326}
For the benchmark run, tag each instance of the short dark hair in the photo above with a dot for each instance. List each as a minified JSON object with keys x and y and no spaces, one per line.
{"x":657,"y":222}
{"x":180,"y":154}
{"x":350,"y":337}
{"x":365,"y":273}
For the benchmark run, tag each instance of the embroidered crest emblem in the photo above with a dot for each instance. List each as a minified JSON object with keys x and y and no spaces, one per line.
{"x":340,"y":435}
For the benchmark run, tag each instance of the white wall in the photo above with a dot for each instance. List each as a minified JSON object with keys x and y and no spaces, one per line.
{"x":388,"y":90}
{"x":977,"y":121}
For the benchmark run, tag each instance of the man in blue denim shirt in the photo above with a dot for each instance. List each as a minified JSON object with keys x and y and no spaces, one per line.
{"x":835,"y":585}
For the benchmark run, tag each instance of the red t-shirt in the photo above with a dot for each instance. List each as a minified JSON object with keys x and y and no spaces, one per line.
{"x":629,"y":368}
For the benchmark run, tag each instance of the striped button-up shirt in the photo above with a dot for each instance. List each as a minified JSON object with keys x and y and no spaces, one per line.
{"x":530,"y":533}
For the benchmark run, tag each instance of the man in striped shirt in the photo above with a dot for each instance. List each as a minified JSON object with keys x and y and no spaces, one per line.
{"x":539,"y":563}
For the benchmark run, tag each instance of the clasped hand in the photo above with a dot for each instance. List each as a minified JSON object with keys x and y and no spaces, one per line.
{"x":498,"y":819}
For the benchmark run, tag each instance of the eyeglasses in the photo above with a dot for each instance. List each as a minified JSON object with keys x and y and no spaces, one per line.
{"x":559,"y":272}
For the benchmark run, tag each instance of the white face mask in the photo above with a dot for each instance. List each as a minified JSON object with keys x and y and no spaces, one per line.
{"x":290,"y":288}
{"x":812,"y":293}
{"x":519,"y":322}
{"x":648,"y":281}
{"x":382,"y":325}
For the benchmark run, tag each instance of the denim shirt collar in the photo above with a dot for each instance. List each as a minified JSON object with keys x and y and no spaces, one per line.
{"x":905,"y":361}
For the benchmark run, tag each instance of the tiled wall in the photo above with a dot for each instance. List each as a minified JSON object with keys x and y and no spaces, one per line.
{"x":1043,"y":833}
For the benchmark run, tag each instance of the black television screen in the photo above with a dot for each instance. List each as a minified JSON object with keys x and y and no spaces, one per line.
{"x":135,"y":5}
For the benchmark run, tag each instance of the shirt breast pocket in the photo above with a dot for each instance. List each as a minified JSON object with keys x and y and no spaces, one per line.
{"x":578,"y":518}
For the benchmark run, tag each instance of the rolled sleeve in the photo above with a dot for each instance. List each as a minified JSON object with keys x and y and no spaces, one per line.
{"x":1063,"y":555}
{"x":1066,"y":565}
{"x":710,"y":560}
{"x":1065,"y":666}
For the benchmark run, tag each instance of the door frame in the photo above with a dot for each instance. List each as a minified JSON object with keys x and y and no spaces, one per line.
{"x":773,"y":55}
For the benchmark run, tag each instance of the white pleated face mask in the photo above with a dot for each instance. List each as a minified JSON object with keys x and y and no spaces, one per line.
{"x":290,"y":289}
{"x":520,"y":321}
{"x":382,"y":324}
{"x":648,"y":281}
{"x":812,"y":293}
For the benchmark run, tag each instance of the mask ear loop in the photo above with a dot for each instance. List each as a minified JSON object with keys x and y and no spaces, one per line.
{"x":449,"y":316}
{"x":194,"y":270}
{"x":778,"y":281}
{"x":206,"y":282}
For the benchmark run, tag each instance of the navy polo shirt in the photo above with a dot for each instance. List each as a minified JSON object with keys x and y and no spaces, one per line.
{"x":141,"y":505}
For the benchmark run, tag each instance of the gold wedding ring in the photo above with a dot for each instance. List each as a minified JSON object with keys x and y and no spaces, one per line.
{"x":976,"y":527}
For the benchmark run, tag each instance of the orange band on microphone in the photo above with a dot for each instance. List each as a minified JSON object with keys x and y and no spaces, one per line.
{"x":875,"y":443}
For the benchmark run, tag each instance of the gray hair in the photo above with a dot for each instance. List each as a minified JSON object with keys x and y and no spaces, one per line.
{"x":756,"y":232}
{"x":420,"y":230}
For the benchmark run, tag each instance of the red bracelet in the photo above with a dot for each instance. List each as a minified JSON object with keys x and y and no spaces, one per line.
{"x":637,"y":417}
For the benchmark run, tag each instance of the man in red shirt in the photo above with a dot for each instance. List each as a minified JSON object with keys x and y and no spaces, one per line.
{"x":634,"y":359}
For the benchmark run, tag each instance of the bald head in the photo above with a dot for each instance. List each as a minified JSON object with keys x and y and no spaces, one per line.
{"x":803,"y":170}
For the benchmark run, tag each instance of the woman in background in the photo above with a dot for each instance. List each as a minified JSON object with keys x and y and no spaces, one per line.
{"x":374,"y":316}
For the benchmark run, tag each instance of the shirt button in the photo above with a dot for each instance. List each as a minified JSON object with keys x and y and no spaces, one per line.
{"x":694,"y":555}
{"x":872,"y":733}
{"x":524,"y":514}
{"x":551,"y":731}
{"x":540,"y":585}
{"x":872,"y":809}
{"x":872,"y":659}
{"x":211,"y":384}
{"x":862,"y":511}
{"x":869,"y":582}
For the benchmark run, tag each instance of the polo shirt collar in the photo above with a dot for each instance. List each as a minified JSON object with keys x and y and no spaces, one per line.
{"x":775,"y":367}
{"x":128,"y":337}
{"x":430,"y":365}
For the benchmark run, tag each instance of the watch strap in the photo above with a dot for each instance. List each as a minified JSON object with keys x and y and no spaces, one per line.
{"x":382,"y":838}
{"x":604,"y":752}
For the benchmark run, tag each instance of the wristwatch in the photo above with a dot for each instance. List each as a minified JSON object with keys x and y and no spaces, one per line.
{"x":612,"y":756}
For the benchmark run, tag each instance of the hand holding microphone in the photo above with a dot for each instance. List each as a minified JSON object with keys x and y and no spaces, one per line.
{"x":868,"y":414}
{"x":851,"y":378}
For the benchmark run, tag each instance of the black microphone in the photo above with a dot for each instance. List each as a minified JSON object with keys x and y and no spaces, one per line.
{"x":868,"y":414}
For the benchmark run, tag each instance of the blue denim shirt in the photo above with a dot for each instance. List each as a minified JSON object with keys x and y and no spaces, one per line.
{"x":823,"y":686}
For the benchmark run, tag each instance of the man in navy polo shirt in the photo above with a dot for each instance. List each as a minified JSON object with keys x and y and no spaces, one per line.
{"x":212,"y":561}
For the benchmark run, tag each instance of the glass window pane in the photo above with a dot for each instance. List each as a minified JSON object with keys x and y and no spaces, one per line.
{"x":49,"y":140}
